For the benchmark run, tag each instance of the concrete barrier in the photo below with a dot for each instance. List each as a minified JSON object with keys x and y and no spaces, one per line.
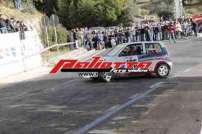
{"x":18,"y":55}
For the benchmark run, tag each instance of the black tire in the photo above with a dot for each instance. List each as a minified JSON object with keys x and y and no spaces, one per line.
{"x":163,"y":70}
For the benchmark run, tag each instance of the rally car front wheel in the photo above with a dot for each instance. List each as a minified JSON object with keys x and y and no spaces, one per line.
{"x":163,"y":70}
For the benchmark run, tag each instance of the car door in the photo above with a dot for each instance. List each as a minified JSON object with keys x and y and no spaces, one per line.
{"x":153,"y":51}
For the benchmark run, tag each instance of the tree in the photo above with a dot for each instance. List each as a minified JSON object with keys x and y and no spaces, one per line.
{"x":80,"y":13}
{"x":46,"y":6}
{"x":192,"y":2}
{"x":163,"y":8}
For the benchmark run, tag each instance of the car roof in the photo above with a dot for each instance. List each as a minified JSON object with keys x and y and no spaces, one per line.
{"x":141,"y":42}
{"x":121,"y":46}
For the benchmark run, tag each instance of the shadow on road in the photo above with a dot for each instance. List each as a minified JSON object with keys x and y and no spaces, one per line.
{"x":52,"y":106}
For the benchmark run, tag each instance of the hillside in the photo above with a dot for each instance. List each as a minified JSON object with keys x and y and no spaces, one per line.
{"x":30,"y":16}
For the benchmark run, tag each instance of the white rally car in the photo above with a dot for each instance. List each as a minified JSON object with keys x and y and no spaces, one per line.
{"x":154,"y":52}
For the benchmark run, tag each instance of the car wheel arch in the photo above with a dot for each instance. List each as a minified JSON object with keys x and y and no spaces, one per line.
{"x":160,"y":63}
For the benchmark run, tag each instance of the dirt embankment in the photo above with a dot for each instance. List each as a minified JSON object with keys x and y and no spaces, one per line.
{"x":31,"y":18}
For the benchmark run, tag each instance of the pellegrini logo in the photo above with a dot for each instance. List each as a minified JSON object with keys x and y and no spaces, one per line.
{"x":100,"y":65}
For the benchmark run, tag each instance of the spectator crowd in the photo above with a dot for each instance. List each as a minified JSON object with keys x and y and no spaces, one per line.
{"x":102,"y":37}
{"x":99,"y":38}
{"x":10,"y":25}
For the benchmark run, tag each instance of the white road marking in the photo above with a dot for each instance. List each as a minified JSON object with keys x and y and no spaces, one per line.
{"x":188,"y":70}
{"x":157,"y":85}
{"x":117,"y":109}
{"x":102,"y":132}
{"x":112,"y":108}
{"x":201,"y":128}
{"x":134,"y":96}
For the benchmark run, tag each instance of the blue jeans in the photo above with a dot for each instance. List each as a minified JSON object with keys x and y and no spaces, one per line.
{"x":18,"y":4}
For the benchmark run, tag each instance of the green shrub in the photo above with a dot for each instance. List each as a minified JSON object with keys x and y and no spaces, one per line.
{"x":90,"y":13}
{"x":62,"y":35}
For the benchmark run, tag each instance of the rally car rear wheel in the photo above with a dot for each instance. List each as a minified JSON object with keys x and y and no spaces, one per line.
{"x":163,"y":70}
{"x":106,"y":76}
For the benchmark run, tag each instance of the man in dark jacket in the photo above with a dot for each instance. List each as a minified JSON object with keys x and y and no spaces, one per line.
{"x":194,"y":27}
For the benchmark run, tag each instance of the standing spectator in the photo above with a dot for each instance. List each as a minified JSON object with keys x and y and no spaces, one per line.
{"x":185,"y":27}
{"x":156,"y":32}
{"x":9,"y":26}
{"x":80,"y":35}
{"x":127,"y":36}
{"x":71,"y":37}
{"x":18,"y":4}
{"x":167,"y":31}
{"x":13,"y":23}
{"x":134,"y":35}
{"x":147,"y":33}
{"x":178,"y":30}
{"x":95,"y":40}
{"x":106,"y":41}
{"x":75,"y":37}
{"x":160,"y":31}
{"x":142,"y":33}
{"x":113,"y":41}
{"x":3,"y":28}
{"x":86,"y":42}
{"x":151,"y":31}
{"x":22,"y":28}
{"x":172,"y":30}
{"x":137,"y":34}
{"x":121,"y":34}
{"x":101,"y":39}
{"x":194,"y":27}
{"x":17,"y":26}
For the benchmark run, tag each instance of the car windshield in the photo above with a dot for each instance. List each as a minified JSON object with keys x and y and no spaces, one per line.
{"x":115,"y":50}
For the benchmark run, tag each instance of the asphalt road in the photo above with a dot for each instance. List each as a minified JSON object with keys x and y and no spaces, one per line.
{"x":63,"y":104}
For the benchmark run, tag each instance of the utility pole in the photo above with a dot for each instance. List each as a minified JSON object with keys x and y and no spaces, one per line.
{"x":178,"y":10}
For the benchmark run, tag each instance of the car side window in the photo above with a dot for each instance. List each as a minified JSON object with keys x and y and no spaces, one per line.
{"x":130,"y":50}
{"x":153,"y":48}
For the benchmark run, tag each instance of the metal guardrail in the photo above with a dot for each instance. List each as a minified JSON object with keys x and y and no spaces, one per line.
{"x":48,"y":48}
{"x":57,"y":45}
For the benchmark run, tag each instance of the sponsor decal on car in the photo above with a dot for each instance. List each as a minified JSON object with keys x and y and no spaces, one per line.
{"x":97,"y":64}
